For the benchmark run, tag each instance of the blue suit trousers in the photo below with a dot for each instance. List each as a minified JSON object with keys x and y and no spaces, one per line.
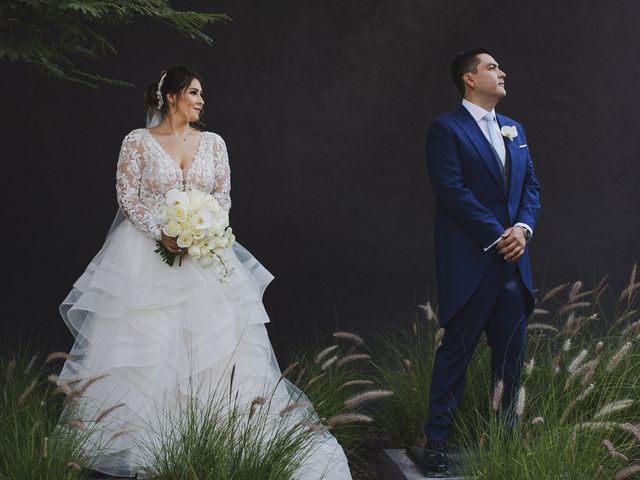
{"x":498,"y":307}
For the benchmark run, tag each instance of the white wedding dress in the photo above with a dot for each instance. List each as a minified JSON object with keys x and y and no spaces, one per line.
{"x":155,"y":331}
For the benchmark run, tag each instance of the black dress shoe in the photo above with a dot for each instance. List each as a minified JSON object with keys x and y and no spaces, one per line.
{"x":434,"y":459}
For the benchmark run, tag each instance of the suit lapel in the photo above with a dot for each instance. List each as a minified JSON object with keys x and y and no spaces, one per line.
{"x":481,"y":144}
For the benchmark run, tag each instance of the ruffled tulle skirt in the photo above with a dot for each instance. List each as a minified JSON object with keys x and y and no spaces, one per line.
{"x":158,"y":337}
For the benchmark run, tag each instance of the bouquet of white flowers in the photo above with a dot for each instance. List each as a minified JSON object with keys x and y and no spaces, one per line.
{"x":201,"y":227}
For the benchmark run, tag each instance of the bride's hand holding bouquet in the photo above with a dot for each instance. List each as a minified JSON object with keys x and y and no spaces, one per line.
{"x":193,"y":222}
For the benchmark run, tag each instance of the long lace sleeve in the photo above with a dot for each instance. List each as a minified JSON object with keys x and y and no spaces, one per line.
{"x":222,"y":185}
{"x":128,"y":181}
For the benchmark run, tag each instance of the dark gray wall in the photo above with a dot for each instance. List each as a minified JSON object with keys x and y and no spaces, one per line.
{"x":324,"y":106}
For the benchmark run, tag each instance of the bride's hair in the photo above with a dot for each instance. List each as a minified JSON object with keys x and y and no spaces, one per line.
{"x":174,"y":80}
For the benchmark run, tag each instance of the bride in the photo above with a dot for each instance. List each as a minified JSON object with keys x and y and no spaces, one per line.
{"x":149,"y":331}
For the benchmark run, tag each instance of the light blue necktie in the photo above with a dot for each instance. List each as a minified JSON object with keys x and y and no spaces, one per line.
{"x":495,"y":137}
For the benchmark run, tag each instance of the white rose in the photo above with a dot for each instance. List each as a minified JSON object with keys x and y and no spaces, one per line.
{"x":172,"y":229}
{"x":185,"y":239}
{"x":510,"y":132}
{"x":189,"y":227}
{"x":220,"y":223}
{"x":195,"y":252}
{"x":177,"y":198}
{"x":212,"y":204}
{"x":196,"y":199}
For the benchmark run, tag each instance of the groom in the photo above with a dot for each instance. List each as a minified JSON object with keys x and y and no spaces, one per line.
{"x":487,"y":203}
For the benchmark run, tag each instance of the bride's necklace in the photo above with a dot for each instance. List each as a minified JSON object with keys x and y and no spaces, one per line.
{"x":186,"y":133}
{"x":182,"y":137}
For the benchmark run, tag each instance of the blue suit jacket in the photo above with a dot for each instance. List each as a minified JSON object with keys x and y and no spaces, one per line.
{"x":473,"y":206}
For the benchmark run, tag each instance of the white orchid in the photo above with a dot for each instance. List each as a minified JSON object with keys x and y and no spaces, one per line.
{"x":202,"y":219}
{"x":177,"y":198}
{"x":177,"y":213}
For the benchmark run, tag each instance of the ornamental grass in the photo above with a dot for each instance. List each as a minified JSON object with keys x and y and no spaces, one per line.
{"x":30,"y":406}
{"x":578,"y":406}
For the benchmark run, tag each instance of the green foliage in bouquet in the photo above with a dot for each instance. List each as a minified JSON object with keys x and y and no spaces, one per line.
{"x":54,"y":34}
{"x":168,"y":256}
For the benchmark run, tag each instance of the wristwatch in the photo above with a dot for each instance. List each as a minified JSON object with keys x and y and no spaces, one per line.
{"x":527,"y":233}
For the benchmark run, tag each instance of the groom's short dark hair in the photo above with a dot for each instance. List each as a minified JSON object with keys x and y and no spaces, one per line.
{"x":465,"y":62}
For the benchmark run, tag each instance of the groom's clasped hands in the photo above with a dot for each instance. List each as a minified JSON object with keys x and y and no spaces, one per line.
{"x":512,"y":244}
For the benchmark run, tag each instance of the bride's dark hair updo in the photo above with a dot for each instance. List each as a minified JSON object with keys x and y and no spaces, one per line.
{"x":176,"y":80}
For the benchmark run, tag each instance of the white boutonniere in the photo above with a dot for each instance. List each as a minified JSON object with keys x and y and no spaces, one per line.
{"x":509,"y":132}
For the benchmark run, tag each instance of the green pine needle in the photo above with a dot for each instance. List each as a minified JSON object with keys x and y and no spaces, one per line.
{"x":50,"y":34}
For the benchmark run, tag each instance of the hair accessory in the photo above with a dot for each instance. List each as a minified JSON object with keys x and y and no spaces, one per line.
{"x":159,"y":91}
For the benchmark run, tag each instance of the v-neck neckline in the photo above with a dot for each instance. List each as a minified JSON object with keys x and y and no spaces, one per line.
{"x":186,"y":171}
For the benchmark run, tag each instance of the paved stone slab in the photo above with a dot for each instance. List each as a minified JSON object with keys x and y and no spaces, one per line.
{"x":396,"y":465}
{"x":103,"y":477}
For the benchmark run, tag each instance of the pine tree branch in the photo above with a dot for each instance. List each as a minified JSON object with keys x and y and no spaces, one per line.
{"x":51,"y":33}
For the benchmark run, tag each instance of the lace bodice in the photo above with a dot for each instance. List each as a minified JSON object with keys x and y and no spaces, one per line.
{"x":146,"y":172}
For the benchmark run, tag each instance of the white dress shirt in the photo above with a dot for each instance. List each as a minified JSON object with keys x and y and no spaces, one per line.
{"x":478,"y":113}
